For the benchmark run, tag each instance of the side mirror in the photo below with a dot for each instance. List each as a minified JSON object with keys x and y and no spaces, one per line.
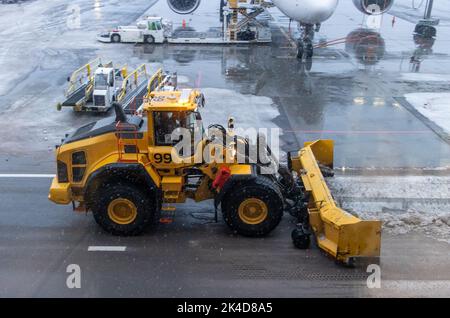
{"x":202,"y":102}
{"x":68,"y":78}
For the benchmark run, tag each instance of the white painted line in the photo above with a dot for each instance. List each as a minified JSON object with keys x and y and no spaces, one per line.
{"x":44,"y":176}
{"x":107,"y":248}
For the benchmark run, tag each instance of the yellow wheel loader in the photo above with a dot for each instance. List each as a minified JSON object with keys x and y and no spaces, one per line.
{"x":128,"y":169}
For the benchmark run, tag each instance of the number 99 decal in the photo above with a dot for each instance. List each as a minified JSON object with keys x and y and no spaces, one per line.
{"x":162,"y":158}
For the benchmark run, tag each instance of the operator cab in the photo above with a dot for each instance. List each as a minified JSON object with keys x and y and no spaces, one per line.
{"x":173,"y":117}
{"x":104,"y":78}
{"x":104,"y":86}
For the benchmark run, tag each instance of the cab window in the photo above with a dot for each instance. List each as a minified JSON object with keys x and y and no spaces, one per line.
{"x":101,"y":81}
{"x":167,"y":122}
{"x":194,"y":124}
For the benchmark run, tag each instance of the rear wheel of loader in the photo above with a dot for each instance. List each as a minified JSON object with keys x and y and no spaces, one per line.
{"x":124,"y":210}
{"x":253,"y":209}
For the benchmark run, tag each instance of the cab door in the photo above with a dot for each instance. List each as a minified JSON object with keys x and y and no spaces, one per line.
{"x":110,"y":91}
{"x":176,"y":137}
{"x":159,"y":33}
{"x":131,"y":35}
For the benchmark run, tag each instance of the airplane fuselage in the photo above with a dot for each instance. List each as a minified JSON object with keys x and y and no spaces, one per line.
{"x":307,"y":11}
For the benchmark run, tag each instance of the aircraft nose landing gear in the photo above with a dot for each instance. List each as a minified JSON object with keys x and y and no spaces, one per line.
{"x":300,"y":50}
{"x":305,"y":46}
{"x":309,"y":49}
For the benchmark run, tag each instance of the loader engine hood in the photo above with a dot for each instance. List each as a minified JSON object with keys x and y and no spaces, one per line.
{"x":105,"y":126}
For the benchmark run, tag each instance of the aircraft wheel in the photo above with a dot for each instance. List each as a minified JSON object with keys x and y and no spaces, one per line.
{"x":309,"y":50}
{"x":300,"y":50}
{"x":308,"y":64}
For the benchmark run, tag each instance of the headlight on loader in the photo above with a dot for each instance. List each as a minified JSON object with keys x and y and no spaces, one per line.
{"x":79,"y":158}
{"x":63,"y":176}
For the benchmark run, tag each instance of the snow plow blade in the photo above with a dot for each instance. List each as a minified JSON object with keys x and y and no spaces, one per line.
{"x":339,"y":233}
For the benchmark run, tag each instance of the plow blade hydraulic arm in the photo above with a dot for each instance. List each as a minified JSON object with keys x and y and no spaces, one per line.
{"x":339,"y":233}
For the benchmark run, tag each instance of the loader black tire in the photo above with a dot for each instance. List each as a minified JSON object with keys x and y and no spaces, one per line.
{"x":112,"y":198}
{"x":115,"y":38}
{"x":235,"y":207}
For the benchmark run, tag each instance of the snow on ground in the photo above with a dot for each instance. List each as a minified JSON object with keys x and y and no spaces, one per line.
{"x":182,"y":79}
{"x":434,"y":106}
{"x":38,"y":50}
{"x":44,"y":31}
{"x":404,"y":204}
{"x":413,"y":10}
{"x":35,"y":48}
{"x":249,"y":111}
{"x":425,"y":77}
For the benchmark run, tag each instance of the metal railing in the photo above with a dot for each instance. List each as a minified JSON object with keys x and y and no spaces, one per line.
{"x":83,"y":75}
{"x":132,"y":81}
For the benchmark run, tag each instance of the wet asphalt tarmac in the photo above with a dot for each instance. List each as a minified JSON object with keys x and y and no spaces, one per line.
{"x":352,"y":94}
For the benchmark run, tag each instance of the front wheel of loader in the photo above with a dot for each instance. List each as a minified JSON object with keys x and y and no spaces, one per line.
{"x":254,"y":208}
{"x":124,"y":210}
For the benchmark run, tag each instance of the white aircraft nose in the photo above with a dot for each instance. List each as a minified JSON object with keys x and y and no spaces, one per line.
{"x":324,"y":9}
{"x":307,"y":11}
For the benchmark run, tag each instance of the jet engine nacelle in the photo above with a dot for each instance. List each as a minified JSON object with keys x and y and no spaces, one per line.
{"x":183,"y":6}
{"x":373,"y":7}
{"x":366,"y":45}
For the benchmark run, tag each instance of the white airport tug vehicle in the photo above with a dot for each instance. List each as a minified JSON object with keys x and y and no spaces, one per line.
{"x":150,"y":30}
{"x":239,"y":25}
